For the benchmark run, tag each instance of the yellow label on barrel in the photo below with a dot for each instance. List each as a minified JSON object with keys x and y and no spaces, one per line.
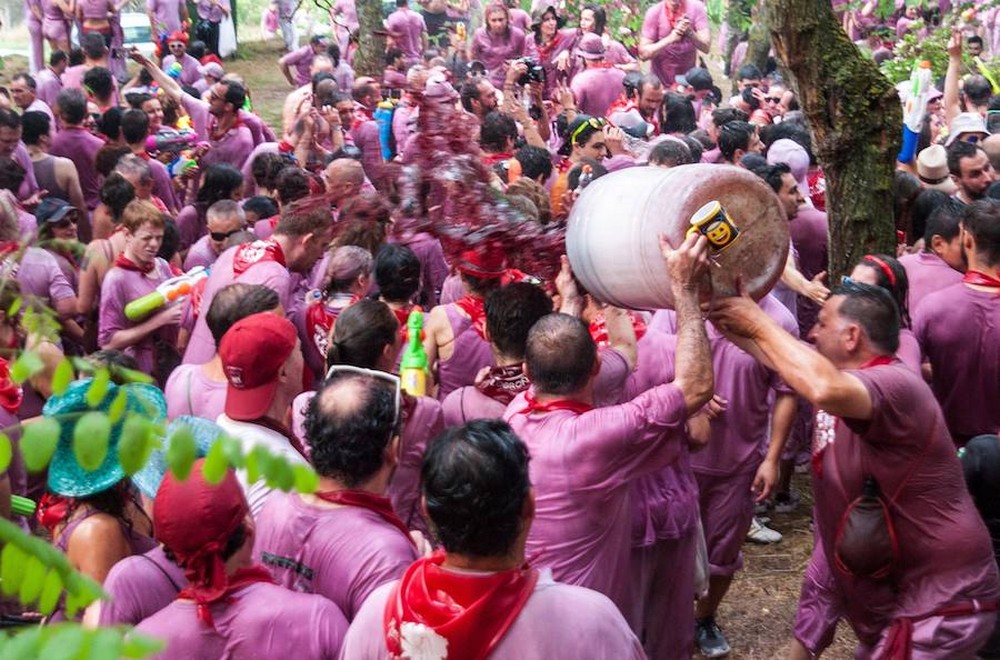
{"x":712,"y":222}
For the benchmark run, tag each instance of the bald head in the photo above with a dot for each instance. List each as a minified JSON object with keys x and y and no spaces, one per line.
{"x":991,"y":146}
{"x":343,"y":178}
{"x":560,"y":354}
{"x":350,"y":424}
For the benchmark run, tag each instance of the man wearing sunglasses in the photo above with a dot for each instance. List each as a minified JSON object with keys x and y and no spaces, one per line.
{"x":190,"y":72}
{"x":344,"y":540}
{"x":224,"y":219}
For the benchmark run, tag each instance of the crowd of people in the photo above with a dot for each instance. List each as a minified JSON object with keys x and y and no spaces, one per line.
{"x":573,"y":479}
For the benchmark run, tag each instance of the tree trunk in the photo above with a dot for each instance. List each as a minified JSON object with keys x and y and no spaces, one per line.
{"x":368,"y":59}
{"x":856,"y":121}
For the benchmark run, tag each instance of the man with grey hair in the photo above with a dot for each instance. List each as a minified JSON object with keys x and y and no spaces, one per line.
{"x":224,"y":218}
{"x":343,"y":179}
{"x":136,"y":170}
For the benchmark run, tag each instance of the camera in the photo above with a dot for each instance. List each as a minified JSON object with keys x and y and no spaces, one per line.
{"x":535,"y":72}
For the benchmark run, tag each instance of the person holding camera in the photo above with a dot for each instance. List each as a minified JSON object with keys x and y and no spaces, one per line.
{"x":672,"y":33}
{"x":498,"y":42}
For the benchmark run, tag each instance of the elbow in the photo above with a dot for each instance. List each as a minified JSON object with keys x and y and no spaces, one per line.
{"x":697,"y":392}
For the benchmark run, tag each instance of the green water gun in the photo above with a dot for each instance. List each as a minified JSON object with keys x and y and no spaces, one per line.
{"x":413,"y":365}
{"x":22,"y":506}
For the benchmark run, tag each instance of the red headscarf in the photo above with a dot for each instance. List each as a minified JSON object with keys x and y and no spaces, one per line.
{"x":194,"y":520}
{"x":11,"y":393}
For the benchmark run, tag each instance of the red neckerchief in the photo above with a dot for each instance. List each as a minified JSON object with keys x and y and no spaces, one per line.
{"x":403,"y":317}
{"x":213,"y":131}
{"x":579,"y":407}
{"x":489,"y":160}
{"x":11,"y":394}
{"x":221,"y":589}
{"x":123,"y":262}
{"x":817,"y":188}
{"x":8,"y":247}
{"x":52,"y":511}
{"x":249,"y":254}
{"x":545,"y":50}
{"x":466,"y":614}
{"x":504,"y":383}
{"x":377,"y":504}
{"x":475,"y":307}
{"x":817,"y":455}
{"x":599,"y":329}
{"x":320,"y":319}
{"x":674,"y":16}
{"x":977,"y":278}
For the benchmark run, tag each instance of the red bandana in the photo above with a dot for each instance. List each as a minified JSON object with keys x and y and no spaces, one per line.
{"x":599,"y":329}
{"x":454,"y":615}
{"x":377,"y":504}
{"x":579,"y":407}
{"x":403,"y":317}
{"x":673,"y":15}
{"x":977,"y":278}
{"x":11,"y":394}
{"x":504,"y":383}
{"x":475,"y":307}
{"x":249,"y":254}
{"x":320,"y":319}
{"x":205,"y":596}
{"x":52,"y":510}
{"x":121,"y":261}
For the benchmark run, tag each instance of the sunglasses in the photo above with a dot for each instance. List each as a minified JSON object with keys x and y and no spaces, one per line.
{"x":772,"y":99}
{"x":65,"y":223}
{"x":596,"y":123}
{"x":220,"y":236}
{"x":392,"y":379}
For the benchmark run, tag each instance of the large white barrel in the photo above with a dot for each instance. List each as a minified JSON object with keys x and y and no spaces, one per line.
{"x":612,"y":244}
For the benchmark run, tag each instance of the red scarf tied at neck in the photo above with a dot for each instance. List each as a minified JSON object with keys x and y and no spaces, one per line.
{"x":977,"y":278}
{"x":533,"y":405}
{"x":121,"y":261}
{"x":475,"y":307}
{"x":377,"y":504}
{"x":453,"y":615}
{"x":249,"y":254}
{"x":11,"y":394}
{"x":504,"y":383}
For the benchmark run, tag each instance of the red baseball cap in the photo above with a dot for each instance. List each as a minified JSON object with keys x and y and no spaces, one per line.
{"x":252,"y":353}
{"x":482,"y":261}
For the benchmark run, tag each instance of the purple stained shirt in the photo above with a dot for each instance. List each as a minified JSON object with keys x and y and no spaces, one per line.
{"x":520,"y":19}
{"x":596,"y":89}
{"x":433,"y":267}
{"x":190,"y":392}
{"x":121,"y":287}
{"x":926,"y":273}
{"x":582,"y":468}
{"x":163,"y":185}
{"x":469,"y":355}
{"x":342,"y":553}
{"x":200,"y":254}
{"x":192,"y":224}
{"x":271,"y":274}
{"x":680,"y":56}
{"x":959,"y":332}
{"x":495,"y":51}
{"x":38,"y":105}
{"x":233,"y":148}
{"x":616,"y":53}
{"x":190,"y":69}
{"x":39,"y":275}
{"x":212,"y":12}
{"x":81,"y":147}
{"x":406,"y":27}
{"x":168,"y":14}
{"x":301,"y":59}
{"x":557,"y":621}
{"x":946,"y":554}
{"x":139,"y":587}
{"x":48,"y":85}
{"x":809,"y":233}
{"x":261,"y":620}
{"x":30,"y":185}
{"x":468,"y":403}
{"x":260,"y":131}
{"x":366,"y":138}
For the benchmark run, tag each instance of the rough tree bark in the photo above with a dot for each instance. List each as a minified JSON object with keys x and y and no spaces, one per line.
{"x":856,"y":121}
{"x":371,"y":40}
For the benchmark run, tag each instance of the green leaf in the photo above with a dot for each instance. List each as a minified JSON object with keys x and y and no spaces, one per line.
{"x":66,"y":643}
{"x":62,"y":377}
{"x":51,"y":590}
{"x":139,"y":646}
{"x":31,"y":583}
{"x":182,"y":451}
{"x":133,"y":376}
{"x":105,"y":644}
{"x":24,"y":644}
{"x":215,"y":466}
{"x":306,"y":479}
{"x":90,"y":440}
{"x":12,"y":561}
{"x":15,"y":306}
{"x":117,"y":407}
{"x":135,"y":445}
{"x":280,"y":474}
{"x":38,"y":443}
{"x":233,"y":451}
{"x":6,"y":452}
{"x":98,"y":388}
{"x":25,"y":366}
